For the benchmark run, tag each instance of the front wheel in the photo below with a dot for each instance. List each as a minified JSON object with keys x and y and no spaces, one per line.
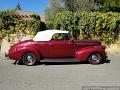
{"x":29,"y":59}
{"x":95,"y":58}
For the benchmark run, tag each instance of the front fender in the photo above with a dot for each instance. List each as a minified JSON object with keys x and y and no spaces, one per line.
{"x":19,"y":52}
{"x":84,"y":53}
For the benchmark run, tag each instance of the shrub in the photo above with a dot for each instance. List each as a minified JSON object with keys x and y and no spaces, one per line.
{"x":94,"y":25}
{"x":63,"y":21}
{"x":11,"y":22}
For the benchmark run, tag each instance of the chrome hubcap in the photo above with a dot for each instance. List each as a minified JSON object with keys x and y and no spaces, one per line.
{"x":30,"y":59}
{"x":94,"y":57}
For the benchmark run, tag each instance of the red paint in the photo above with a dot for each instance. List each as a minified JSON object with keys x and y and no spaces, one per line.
{"x":80,"y":49}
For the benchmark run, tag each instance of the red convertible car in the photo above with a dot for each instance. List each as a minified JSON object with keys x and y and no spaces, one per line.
{"x":57,"y":44}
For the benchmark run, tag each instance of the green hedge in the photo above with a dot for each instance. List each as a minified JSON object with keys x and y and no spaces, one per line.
{"x":11,"y":22}
{"x":94,"y":25}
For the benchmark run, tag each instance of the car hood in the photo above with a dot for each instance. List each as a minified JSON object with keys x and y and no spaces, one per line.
{"x":23,"y":43}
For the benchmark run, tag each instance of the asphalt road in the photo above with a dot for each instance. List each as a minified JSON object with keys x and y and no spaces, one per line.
{"x":63,"y":76}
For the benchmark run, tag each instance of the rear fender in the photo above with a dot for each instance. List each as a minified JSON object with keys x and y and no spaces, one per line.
{"x":84,"y":53}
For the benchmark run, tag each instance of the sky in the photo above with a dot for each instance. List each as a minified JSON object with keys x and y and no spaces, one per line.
{"x":36,"y":6}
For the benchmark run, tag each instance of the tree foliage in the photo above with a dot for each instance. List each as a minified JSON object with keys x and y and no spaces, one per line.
{"x":11,"y":22}
{"x":94,"y":25}
{"x":111,"y":5}
{"x":80,"y":5}
{"x":57,"y":6}
{"x":54,"y":7}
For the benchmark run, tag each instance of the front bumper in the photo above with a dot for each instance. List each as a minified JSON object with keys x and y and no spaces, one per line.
{"x":12,"y":56}
{"x":6,"y":54}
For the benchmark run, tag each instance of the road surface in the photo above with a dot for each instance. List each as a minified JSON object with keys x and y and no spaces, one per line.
{"x":58,"y":76}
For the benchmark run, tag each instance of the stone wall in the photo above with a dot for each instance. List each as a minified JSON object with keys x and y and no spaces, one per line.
{"x":7,"y":42}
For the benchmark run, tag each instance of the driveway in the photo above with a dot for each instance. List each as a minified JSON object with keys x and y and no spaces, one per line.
{"x":63,"y":76}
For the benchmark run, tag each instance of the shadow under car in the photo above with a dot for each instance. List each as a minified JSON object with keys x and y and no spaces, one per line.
{"x":63,"y":62}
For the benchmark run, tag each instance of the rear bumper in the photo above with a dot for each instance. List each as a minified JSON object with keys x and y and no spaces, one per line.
{"x":105,"y":58}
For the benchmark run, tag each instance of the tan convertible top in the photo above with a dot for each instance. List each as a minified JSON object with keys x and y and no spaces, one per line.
{"x":46,"y":35}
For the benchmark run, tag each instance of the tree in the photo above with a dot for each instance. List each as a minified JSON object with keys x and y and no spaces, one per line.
{"x":111,"y":5}
{"x":81,"y":5}
{"x":54,"y":7}
{"x":72,"y":5}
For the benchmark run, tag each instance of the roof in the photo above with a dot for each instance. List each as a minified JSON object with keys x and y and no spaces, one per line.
{"x":46,"y":35}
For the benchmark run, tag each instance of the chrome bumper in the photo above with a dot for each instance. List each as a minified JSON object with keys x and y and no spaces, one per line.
{"x":6,"y":54}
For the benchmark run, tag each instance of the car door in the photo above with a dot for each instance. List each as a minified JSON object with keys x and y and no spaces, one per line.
{"x":61,"y":48}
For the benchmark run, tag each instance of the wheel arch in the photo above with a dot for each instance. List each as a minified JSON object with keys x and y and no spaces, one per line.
{"x":93,"y":53}
{"x":31,"y":50}
{"x":84,"y":53}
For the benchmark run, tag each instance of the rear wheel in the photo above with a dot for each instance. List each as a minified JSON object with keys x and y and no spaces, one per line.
{"x":29,"y":59}
{"x":95,"y":58}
